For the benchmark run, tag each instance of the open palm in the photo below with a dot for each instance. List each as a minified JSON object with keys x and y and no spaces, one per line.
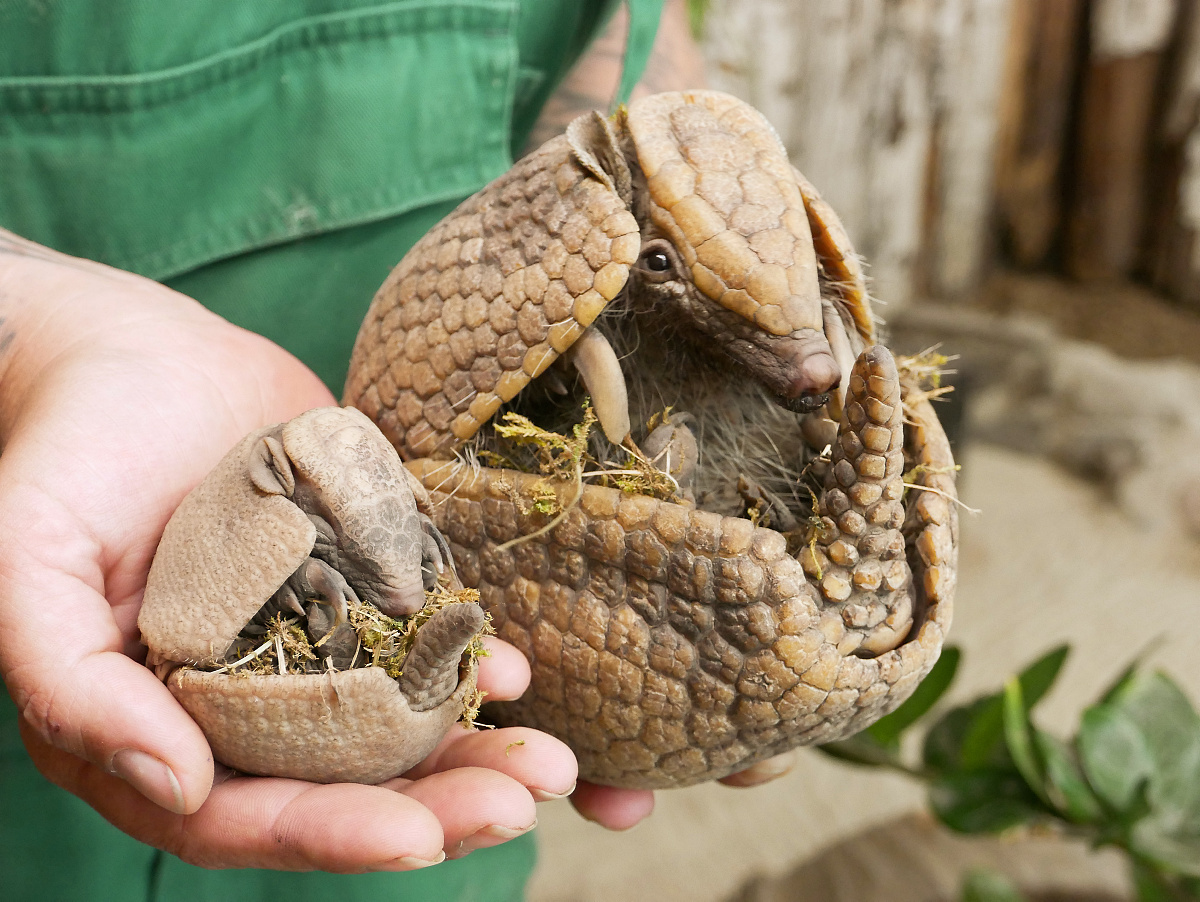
{"x":118,"y":396}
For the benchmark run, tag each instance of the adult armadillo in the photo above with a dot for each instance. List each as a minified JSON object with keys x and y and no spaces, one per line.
{"x":672,"y":256}
{"x":319,"y":508}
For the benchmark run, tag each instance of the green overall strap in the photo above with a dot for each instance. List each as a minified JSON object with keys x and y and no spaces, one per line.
{"x":643,"y":26}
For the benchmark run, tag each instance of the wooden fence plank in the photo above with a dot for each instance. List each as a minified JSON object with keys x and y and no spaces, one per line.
{"x":1120,"y":88}
{"x":1035,"y":118}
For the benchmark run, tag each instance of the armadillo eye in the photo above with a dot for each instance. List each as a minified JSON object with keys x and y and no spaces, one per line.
{"x":657,"y":261}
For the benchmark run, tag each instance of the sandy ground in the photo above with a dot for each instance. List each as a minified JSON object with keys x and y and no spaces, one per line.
{"x":1048,"y":560}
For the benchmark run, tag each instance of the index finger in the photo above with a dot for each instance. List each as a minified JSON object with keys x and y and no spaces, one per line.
{"x":264,"y":822}
{"x":503,"y":672}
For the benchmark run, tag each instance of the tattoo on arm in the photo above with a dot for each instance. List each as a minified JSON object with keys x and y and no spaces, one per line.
{"x":675,"y":64}
{"x":590,"y":85}
{"x":16,"y":246}
{"x":20,"y":247}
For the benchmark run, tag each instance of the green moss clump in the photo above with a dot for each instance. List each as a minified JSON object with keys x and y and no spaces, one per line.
{"x":383,"y":642}
{"x":568,"y":460}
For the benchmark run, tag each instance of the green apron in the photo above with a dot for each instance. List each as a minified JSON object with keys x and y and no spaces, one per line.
{"x":272,"y":159}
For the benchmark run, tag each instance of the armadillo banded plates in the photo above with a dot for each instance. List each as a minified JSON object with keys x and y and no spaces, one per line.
{"x":670,"y":646}
{"x":350,"y":726}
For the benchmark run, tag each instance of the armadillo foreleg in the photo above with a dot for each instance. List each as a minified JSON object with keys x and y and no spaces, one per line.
{"x":430,"y":672}
{"x":857,"y":556}
{"x":671,"y":446}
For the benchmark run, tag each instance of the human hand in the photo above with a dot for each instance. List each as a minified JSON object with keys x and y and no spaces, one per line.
{"x":620,"y":809}
{"x":117,"y":396}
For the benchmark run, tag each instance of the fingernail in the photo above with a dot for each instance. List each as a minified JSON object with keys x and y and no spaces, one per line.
{"x":763,"y":772}
{"x":149,"y":776}
{"x":411,"y":864}
{"x":779,"y":765}
{"x":544,"y":795}
{"x":487,"y":837}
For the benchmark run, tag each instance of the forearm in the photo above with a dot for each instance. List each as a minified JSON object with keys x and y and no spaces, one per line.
{"x":675,"y":64}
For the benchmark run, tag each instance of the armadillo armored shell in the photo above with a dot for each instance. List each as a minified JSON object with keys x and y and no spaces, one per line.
{"x":669,"y":644}
{"x":227,"y":548}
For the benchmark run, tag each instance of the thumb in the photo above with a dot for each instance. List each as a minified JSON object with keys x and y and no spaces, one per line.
{"x":61,"y":660}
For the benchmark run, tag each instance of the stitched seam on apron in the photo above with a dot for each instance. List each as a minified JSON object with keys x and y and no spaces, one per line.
{"x":90,"y":94}
{"x":255,"y":234}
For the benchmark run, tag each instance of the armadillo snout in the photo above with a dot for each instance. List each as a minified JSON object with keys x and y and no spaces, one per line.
{"x":808,"y":371}
{"x":402,"y":599}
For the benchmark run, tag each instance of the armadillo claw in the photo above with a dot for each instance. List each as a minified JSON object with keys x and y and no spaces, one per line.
{"x":436,"y":557}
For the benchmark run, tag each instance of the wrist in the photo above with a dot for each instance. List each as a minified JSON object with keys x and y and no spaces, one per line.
{"x":23,"y":336}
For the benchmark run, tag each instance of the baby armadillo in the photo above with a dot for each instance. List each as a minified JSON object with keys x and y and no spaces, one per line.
{"x":671,"y":257}
{"x":305,"y":519}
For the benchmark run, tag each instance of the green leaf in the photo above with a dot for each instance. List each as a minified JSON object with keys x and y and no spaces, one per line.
{"x":862,"y":749}
{"x":984,"y":801}
{"x":1172,"y":732}
{"x":1066,"y":787}
{"x":984,"y":742}
{"x":989,"y":886}
{"x":1017,"y":733}
{"x":1038,"y":677}
{"x":942,"y":748}
{"x":1152,"y":885}
{"x":1169,"y":832}
{"x":1164,"y":714}
{"x":1127,"y":675}
{"x":968,"y":737}
{"x":1118,"y":686}
{"x":1114,"y":755}
{"x":1149,"y":889}
{"x":972,"y":736}
{"x":1175,"y":850}
{"x":887,"y":730}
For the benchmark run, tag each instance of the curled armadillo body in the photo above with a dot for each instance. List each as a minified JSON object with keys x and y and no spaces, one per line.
{"x":671,"y":257}
{"x":321,"y":503}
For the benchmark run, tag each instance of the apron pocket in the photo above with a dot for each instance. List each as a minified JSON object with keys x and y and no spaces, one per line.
{"x":326,"y":122}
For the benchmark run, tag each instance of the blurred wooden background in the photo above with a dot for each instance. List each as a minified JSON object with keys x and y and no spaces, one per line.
{"x":959,"y":136}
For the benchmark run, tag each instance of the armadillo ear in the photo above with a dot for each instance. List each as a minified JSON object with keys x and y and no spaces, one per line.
{"x":838,"y":259}
{"x":597,"y":147}
{"x":496,"y":292}
{"x":269,"y":468}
